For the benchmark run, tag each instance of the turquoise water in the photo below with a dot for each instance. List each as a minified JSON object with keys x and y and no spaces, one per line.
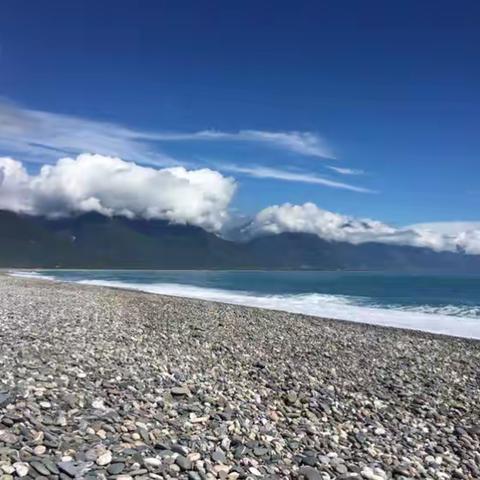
{"x":439,"y":303}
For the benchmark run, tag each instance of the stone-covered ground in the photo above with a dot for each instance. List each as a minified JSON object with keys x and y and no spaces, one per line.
{"x":102,"y":383}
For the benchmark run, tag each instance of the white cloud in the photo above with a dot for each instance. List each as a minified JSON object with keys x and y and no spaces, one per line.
{"x":43,"y":134}
{"x":309,"y":218}
{"x":345,"y":171}
{"x":112,"y":186}
{"x":446,"y":228}
{"x":14,"y":185}
{"x":304,"y":143}
{"x":258,"y":171}
{"x":464,"y":235}
{"x":469,"y":241}
{"x":38,"y":133}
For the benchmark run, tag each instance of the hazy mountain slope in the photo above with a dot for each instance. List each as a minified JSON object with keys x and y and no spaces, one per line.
{"x":308,"y":251}
{"x":26,"y":243}
{"x":95,"y":241}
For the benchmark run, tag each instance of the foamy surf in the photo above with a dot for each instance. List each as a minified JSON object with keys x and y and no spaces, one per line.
{"x":447,"y":320}
{"x":318,"y":305}
{"x":31,"y":274}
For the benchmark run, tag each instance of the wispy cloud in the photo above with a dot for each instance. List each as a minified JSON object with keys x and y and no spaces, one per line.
{"x":43,"y":135}
{"x":259,"y":171}
{"x":345,"y":171}
{"x":304,"y":143}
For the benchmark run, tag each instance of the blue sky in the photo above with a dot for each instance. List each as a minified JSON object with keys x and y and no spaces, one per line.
{"x":388,"y":89}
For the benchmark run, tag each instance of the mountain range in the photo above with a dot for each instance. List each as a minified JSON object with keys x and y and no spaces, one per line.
{"x":92,"y":240}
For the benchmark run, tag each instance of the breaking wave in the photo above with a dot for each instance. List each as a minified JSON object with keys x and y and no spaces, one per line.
{"x":453,"y":320}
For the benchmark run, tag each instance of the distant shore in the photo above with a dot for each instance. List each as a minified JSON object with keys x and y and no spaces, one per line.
{"x":106,"y":383}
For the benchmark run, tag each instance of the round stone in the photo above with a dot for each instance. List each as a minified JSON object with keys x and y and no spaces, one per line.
{"x":115,"y":468}
{"x":104,"y":458}
{"x":39,"y":450}
{"x":152,"y":462}
{"x":183,"y":462}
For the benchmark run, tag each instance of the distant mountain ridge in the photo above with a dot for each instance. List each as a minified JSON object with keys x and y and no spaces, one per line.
{"x":92,"y":240}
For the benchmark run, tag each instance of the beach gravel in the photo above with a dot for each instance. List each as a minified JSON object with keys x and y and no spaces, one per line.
{"x":98,"y":383}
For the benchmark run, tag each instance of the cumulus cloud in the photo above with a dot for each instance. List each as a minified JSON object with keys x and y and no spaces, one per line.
{"x":14,"y":185}
{"x":202,"y":197}
{"x":309,"y":218}
{"x":111,"y":186}
{"x":259,"y":171}
{"x":463,"y":235}
{"x":446,"y":228}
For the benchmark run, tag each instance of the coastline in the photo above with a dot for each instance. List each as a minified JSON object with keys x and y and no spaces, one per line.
{"x":187,"y":388}
{"x":335,"y":306}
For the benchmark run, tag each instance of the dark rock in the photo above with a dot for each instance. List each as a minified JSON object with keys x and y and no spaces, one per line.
{"x":73,"y":469}
{"x":6,"y":398}
{"x":40,"y":468}
{"x":219,"y":456}
{"x":309,"y":460}
{"x":183,"y":462}
{"x":310,"y":473}
{"x":180,"y":391}
{"x":115,"y":468}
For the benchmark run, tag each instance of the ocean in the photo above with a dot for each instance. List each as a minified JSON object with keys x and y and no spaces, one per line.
{"x":448,"y":304}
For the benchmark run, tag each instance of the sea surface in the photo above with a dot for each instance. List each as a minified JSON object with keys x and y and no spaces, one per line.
{"x":448,"y":304}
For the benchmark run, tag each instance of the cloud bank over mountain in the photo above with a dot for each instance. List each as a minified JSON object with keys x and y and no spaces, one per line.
{"x":309,"y":218}
{"x":111,"y":186}
{"x":202,"y":197}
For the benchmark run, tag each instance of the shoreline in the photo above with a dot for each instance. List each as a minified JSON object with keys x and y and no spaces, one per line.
{"x":121,"y":384}
{"x":397,"y":319}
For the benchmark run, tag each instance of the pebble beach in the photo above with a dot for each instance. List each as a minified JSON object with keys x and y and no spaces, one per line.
{"x":101,"y":383}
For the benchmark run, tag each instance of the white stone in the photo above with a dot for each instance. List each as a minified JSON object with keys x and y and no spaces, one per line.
{"x":221,"y":468}
{"x":21,"y":469}
{"x":369,"y":474}
{"x":152,"y":462}
{"x":8,"y":469}
{"x":98,"y":404}
{"x":39,"y":450}
{"x":104,"y":458}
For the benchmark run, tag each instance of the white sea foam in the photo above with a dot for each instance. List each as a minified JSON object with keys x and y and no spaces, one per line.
{"x":319,"y":305}
{"x":449,"y":320}
{"x":450,"y":310}
{"x":30,"y":274}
